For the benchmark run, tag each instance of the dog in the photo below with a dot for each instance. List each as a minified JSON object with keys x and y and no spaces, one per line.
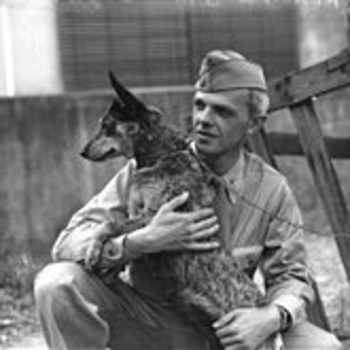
{"x":202,"y":286}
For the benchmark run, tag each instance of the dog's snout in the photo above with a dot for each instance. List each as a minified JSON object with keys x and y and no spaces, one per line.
{"x":84,"y":153}
{"x":89,"y":153}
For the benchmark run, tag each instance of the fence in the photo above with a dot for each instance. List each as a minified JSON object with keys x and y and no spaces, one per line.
{"x":150,"y":43}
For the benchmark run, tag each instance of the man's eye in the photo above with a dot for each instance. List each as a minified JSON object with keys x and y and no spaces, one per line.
{"x":224,"y":112}
{"x":199,"y":105}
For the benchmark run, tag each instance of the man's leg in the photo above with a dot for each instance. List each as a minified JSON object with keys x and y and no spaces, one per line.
{"x":305,"y":335}
{"x":77,"y":311}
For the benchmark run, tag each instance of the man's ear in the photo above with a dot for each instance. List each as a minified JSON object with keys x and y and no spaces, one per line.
{"x":155,"y":115}
{"x":256,"y":123}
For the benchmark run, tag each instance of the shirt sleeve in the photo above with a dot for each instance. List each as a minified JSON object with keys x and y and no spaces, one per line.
{"x":284,"y":264}
{"x":102,"y":212}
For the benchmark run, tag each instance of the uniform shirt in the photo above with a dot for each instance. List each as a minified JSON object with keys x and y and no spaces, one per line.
{"x":266,"y":230}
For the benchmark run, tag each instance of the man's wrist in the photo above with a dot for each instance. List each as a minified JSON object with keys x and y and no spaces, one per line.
{"x":286,"y":320}
{"x":126,"y":247}
{"x":275,"y":320}
{"x":130,"y":248}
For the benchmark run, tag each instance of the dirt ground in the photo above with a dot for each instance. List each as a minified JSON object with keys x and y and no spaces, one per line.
{"x":30,"y":342}
{"x":19,"y":328}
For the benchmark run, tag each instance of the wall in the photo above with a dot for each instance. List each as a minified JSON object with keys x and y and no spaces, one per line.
{"x":159,"y":43}
{"x":43,"y":180}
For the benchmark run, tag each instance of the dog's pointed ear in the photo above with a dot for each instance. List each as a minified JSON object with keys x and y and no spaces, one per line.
{"x":115,"y":84}
{"x":126,"y":98}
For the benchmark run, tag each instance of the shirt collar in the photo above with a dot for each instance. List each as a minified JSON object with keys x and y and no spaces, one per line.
{"x":234,"y":177}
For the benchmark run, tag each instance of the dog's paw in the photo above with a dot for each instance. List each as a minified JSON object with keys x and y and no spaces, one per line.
{"x":93,"y":254}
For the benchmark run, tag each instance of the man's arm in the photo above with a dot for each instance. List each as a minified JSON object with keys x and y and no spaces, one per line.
{"x":284,"y":263}
{"x":101,"y":213}
{"x":168,"y":230}
{"x":286,"y":276}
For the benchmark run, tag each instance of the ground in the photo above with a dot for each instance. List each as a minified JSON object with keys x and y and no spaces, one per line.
{"x":19,"y":329}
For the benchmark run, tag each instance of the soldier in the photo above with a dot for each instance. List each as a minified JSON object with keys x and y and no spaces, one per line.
{"x":78,"y":310}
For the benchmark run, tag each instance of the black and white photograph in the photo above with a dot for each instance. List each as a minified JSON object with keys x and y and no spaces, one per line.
{"x":175,"y":174}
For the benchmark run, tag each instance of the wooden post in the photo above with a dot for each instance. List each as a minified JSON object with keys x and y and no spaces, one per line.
{"x":295,"y":91}
{"x":325,"y":177}
{"x":259,"y":144}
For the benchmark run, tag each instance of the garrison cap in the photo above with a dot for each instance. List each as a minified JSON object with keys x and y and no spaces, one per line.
{"x":223,"y":70}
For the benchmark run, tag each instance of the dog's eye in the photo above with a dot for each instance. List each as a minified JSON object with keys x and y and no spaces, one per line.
{"x":108,"y":126}
{"x":132,"y":128}
{"x":109,"y":130}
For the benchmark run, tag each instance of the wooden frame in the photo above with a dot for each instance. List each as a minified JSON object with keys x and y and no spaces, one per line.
{"x":297,"y":92}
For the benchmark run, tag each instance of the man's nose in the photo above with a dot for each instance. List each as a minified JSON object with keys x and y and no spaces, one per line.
{"x":204,"y":116}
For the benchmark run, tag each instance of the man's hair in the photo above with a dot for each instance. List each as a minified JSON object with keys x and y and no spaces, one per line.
{"x":258,"y":103}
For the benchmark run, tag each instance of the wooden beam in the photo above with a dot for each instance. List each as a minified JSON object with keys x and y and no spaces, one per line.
{"x":316,"y":312}
{"x":325,"y":177}
{"x":258,"y":143}
{"x":289,"y":144}
{"x":316,"y":80}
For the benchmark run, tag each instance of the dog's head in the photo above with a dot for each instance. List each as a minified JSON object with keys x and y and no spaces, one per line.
{"x":126,"y":119}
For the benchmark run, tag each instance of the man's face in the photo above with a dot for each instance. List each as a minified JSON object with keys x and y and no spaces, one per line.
{"x":221,"y":122}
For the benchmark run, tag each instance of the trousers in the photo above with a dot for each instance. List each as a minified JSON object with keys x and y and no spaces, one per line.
{"x":77,"y":310}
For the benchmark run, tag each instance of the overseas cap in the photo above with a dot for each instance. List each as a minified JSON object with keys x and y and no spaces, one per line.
{"x":223,"y":70}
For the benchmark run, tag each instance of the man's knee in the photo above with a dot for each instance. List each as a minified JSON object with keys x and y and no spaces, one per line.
{"x":52,"y":284}
{"x":330,"y":342}
{"x":309,"y":337}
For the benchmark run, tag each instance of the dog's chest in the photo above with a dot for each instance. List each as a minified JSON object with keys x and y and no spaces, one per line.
{"x":170,"y":177}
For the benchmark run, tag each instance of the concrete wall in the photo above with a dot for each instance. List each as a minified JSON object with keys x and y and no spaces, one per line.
{"x":43,"y":180}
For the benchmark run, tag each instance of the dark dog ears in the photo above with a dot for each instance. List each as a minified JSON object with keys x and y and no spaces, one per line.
{"x":126,"y":98}
{"x":134,"y":108}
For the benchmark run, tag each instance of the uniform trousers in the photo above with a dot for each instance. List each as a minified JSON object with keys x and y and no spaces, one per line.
{"x":78,"y":311}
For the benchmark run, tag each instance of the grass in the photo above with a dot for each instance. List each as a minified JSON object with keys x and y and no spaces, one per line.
{"x":17,"y":306}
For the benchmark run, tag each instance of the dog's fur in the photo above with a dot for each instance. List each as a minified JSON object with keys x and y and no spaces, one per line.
{"x":203,"y":286}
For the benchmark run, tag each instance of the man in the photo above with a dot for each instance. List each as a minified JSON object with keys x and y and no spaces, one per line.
{"x":78,"y":310}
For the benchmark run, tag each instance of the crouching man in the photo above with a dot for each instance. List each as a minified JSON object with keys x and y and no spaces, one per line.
{"x":77,"y":310}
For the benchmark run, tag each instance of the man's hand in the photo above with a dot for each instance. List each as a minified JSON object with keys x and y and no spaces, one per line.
{"x":247,"y":328}
{"x":92,"y":260}
{"x":171,"y":230}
